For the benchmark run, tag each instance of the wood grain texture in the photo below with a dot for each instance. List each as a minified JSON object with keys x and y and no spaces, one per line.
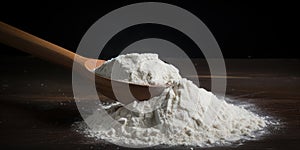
{"x":37,"y":108}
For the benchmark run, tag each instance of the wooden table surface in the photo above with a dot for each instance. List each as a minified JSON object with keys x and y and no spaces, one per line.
{"x":37,"y":108}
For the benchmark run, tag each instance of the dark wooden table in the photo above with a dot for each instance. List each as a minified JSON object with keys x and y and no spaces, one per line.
{"x":37,"y":108}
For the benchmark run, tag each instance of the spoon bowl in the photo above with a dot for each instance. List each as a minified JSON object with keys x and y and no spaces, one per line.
{"x":115,"y":89}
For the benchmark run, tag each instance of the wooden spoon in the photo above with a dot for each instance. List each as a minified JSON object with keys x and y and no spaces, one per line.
{"x":41,"y":48}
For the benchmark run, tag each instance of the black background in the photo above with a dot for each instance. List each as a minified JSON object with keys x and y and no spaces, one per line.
{"x":251,"y":29}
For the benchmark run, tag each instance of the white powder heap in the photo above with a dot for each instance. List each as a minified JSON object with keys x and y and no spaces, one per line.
{"x":186,"y":114}
{"x":145,"y":69}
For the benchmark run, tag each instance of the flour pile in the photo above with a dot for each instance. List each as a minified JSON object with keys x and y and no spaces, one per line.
{"x":184,"y":113}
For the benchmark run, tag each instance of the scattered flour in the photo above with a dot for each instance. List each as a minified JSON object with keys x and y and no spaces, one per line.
{"x":185,"y":114}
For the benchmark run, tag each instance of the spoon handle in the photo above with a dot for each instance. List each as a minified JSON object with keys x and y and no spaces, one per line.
{"x":29,"y":43}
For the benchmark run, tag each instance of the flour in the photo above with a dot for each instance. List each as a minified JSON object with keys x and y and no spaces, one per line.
{"x":145,"y":69}
{"x":185,"y":114}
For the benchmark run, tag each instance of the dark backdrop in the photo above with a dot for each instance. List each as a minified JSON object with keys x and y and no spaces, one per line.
{"x":250,"y":29}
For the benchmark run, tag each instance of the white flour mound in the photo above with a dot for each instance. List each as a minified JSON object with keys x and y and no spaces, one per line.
{"x":145,"y":69}
{"x":186,"y":114}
